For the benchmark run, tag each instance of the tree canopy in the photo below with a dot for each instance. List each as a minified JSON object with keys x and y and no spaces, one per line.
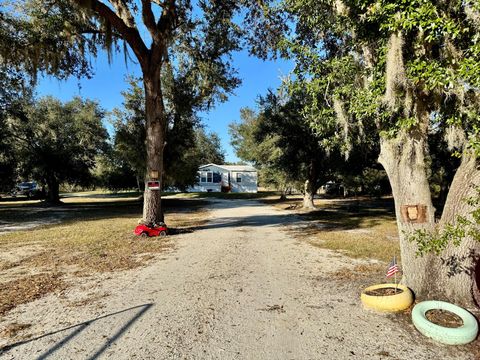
{"x":409,"y":72}
{"x":191,"y":146}
{"x":185,"y":43}
{"x":56,"y":142}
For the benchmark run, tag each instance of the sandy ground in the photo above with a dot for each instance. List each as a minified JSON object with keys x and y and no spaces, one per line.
{"x":238,"y":288}
{"x":46,"y":216}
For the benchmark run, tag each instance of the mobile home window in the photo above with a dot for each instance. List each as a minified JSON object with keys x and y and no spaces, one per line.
{"x":209,"y":177}
{"x":203,"y":177}
{"x":239,"y":177}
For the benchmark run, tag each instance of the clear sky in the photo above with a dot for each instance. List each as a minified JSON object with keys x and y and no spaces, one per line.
{"x":109,"y":80}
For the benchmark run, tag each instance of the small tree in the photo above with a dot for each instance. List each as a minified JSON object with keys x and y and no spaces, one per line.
{"x":281,"y":140}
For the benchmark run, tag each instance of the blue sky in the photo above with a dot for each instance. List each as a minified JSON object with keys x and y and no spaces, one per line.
{"x":109,"y":80}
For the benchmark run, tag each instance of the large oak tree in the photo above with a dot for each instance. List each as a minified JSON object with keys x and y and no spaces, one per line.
{"x":56,"y":142}
{"x":191,"y":39}
{"x":418,"y":77}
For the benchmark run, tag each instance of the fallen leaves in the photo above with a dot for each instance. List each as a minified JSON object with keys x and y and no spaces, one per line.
{"x":27,"y":289}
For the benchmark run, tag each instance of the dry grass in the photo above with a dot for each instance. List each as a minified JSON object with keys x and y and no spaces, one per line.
{"x":91,"y":245}
{"x":374,"y":244}
{"x":11,"y":330}
{"x":94,"y":237}
{"x":24,"y":290}
{"x":359,"y":272}
{"x":360,"y":229}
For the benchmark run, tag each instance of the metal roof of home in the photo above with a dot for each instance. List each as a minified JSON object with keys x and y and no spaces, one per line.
{"x":239,"y":168}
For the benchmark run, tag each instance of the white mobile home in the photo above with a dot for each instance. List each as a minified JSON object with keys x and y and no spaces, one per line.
{"x":226,"y":178}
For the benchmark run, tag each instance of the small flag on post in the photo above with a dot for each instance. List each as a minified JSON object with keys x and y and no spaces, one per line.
{"x":392,"y":268}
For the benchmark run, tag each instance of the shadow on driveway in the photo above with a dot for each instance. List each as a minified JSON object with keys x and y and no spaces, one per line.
{"x":79,"y":328}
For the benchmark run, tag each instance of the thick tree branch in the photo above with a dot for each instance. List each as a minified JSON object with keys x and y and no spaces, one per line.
{"x":149,"y":19}
{"x":130,"y":35}
{"x":168,"y":18}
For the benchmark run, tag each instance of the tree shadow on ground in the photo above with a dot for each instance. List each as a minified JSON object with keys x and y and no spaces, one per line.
{"x":17,"y":214}
{"x":347,"y":215}
{"x":341,"y":214}
{"x":79,"y":328}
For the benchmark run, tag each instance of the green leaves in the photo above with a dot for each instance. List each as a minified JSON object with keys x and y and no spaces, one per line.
{"x":36,"y":37}
{"x":435,"y":242}
{"x":451,"y":233}
{"x":431,"y":75}
{"x":58,"y":142}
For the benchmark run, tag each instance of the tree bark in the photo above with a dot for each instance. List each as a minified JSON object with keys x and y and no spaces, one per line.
{"x":138,"y":183}
{"x":450,"y":276}
{"x":283,"y":193}
{"x":155,"y":143}
{"x":308,"y":195}
{"x":311,"y":185}
{"x":457,"y":265}
{"x":53,"y":187}
{"x":403,"y":158}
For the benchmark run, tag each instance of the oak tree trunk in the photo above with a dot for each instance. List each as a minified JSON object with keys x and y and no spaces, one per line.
{"x":450,"y":276}
{"x":309,"y":193}
{"x":155,"y":142}
{"x":311,"y":186}
{"x":53,"y":190}
{"x":457,"y":265}
{"x":403,"y":158}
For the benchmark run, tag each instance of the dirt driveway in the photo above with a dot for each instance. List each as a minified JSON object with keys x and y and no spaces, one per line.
{"x":240,"y":287}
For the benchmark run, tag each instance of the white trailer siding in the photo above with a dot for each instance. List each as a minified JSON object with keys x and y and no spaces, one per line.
{"x":244,"y":181}
{"x":238,"y":178}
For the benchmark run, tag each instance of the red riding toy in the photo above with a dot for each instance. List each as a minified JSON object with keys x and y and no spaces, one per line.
{"x":147,"y":230}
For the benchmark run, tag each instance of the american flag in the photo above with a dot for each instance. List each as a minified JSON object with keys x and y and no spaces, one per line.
{"x":392,"y":268}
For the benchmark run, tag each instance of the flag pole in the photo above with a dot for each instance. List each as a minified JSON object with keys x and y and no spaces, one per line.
{"x":395,"y":262}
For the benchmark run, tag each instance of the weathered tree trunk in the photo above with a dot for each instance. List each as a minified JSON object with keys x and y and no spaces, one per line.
{"x":450,"y":276}
{"x":155,"y":142}
{"x":311,"y":185}
{"x":403,"y":158}
{"x":53,"y":187}
{"x":283,"y":194}
{"x":308,"y":195}
{"x":457,"y":265}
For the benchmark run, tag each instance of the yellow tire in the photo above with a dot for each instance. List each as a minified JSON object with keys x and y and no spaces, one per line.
{"x":387,"y":303}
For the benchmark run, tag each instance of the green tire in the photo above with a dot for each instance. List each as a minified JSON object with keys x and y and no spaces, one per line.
{"x":450,"y":336}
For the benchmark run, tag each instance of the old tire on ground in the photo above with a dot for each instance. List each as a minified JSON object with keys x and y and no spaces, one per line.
{"x":387,"y":303}
{"x":450,"y":336}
